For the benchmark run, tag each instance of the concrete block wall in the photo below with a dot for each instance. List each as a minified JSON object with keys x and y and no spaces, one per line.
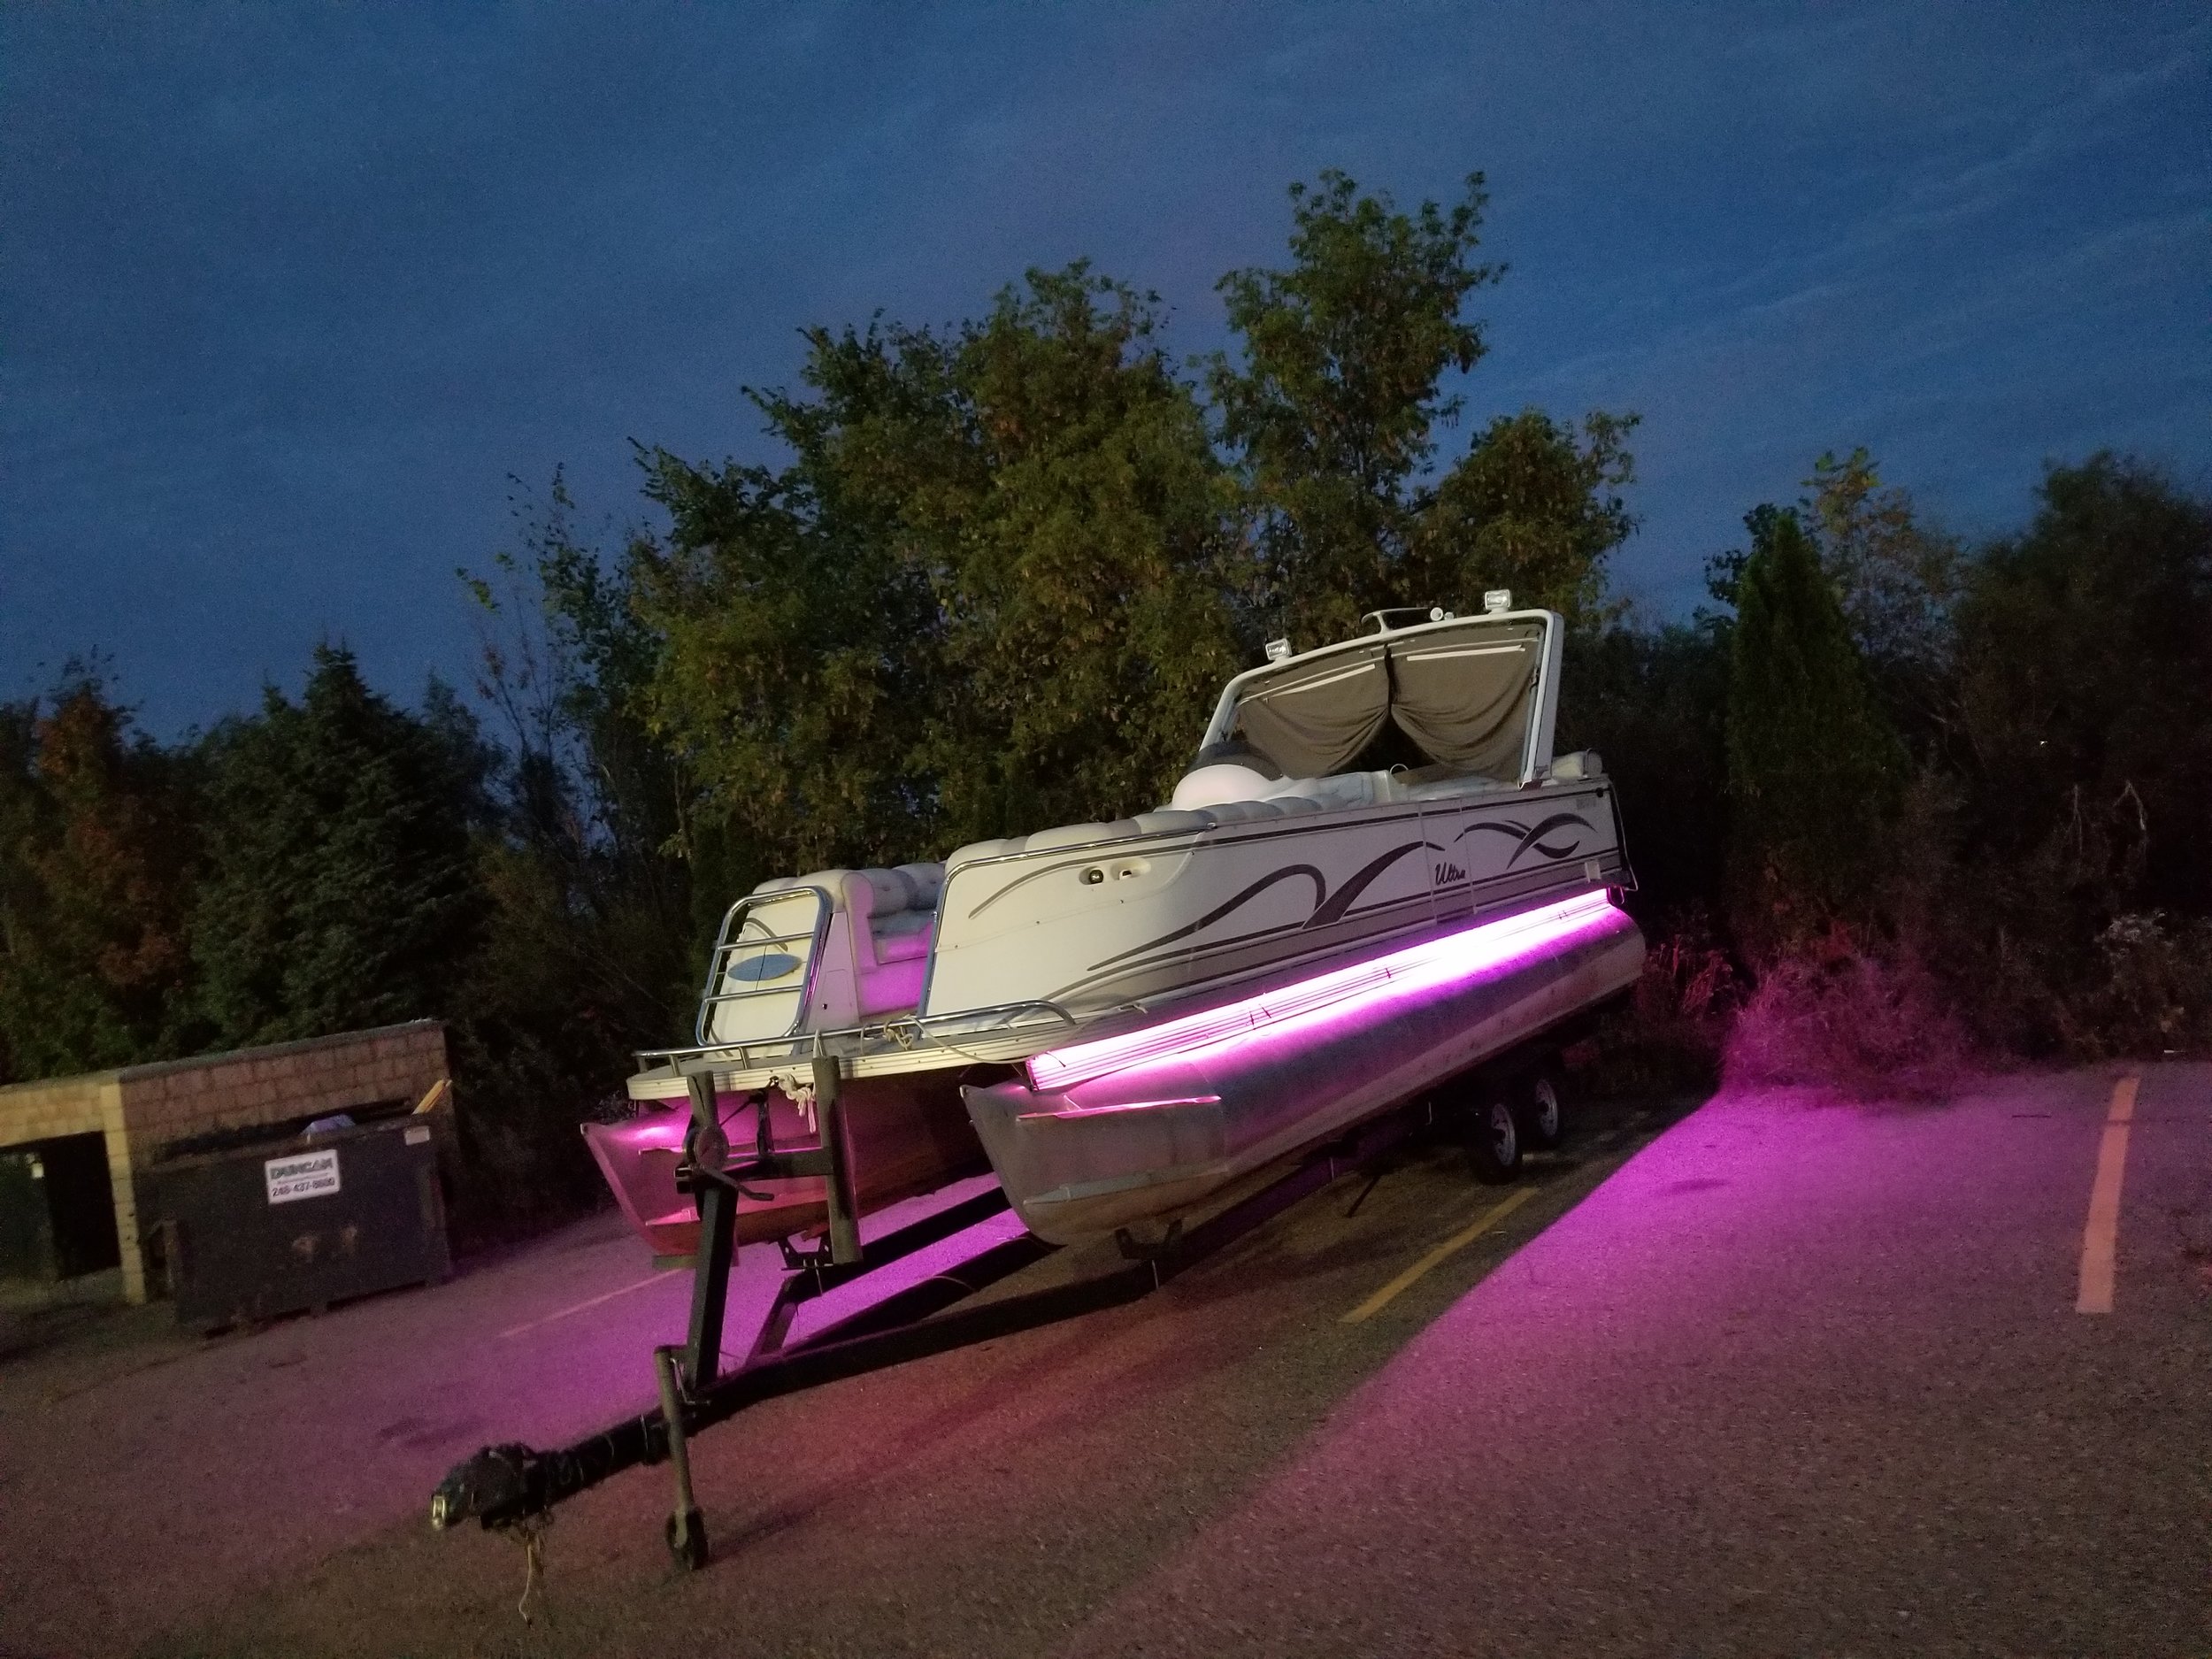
{"x":58,"y":1106}
{"x":89,"y":1104}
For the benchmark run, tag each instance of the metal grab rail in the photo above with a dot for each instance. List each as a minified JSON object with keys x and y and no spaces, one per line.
{"x":907,"y":1031}
{"x":710,"y":999}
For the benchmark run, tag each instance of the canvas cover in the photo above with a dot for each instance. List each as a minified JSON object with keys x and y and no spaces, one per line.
{"x":1463,"y":695}
{"x":1312,"y":717}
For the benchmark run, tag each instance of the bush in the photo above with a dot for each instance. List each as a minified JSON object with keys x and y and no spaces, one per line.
{"x":2154,"y":995}
{"x":1867,"y":1021}
{"x":1671,"y":1036}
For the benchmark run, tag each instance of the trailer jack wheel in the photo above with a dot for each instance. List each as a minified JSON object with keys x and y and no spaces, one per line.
{"x":687,"y":1529}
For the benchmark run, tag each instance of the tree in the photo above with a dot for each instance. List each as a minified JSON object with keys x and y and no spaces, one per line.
{"x":1814,"y":770}
{"x":1332,"y":416}
{"x":339,"y":890}
{"x":1086,"y":627}
{"x":587,"y":949}
{"x":587,"y":788}
{"x":1653,"y":702}
{"x":1332,"y":412}
{"x":1531,"y":508}
{"x":799,"y":626}
{"x":1896,"y":579}
{"x":95,"y":851}
{"x":2084,"y":681}
{"x":987,"y":592}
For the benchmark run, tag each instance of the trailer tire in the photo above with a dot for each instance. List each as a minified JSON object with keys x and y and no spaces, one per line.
{"x":1494,"y":1140}
{"x":1538,"y":1107}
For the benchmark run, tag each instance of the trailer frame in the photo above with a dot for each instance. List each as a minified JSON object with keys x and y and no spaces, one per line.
{"x":514,"y":1488}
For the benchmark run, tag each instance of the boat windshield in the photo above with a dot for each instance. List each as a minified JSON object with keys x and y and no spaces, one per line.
{"x":1463,"y":692}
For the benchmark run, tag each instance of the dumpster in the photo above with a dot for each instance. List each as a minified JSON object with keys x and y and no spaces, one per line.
{"x":302,"y":1222}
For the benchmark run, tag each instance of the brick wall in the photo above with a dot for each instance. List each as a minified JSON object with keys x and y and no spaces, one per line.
{"x":164,"y":1103}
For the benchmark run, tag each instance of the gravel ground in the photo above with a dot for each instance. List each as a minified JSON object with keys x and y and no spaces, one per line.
{"x":1779,"y":1375}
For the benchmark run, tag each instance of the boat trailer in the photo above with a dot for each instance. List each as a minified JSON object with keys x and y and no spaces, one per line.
{"x":513,"y":1488}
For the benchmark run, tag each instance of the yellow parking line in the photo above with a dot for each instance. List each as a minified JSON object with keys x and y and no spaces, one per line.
{"x":2101,"y":1239}
{"x":1459,"y":1242}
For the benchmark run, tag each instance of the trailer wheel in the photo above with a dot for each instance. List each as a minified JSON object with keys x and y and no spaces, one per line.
{"x":1542,"y":1120}
{"x":1494,"y":1140}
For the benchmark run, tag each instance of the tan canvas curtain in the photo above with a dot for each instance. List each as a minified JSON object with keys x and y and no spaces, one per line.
{"x":1465,"y":696}
{"x":1313,"y":721}
{"x":1466,"y":702}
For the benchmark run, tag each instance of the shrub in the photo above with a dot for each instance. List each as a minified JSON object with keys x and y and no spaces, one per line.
{"x":1867,"y":1021}
{"x":2153,"y":993}
{"x":1671,"y":1034}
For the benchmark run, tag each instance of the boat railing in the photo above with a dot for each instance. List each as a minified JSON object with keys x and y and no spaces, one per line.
{"x":907,"y":1033}
{"x":711,"y":1001}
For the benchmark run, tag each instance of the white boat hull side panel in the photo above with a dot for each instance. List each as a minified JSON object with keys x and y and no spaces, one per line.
{"x":1140,"y":919}
{"x":1153,"y":1139}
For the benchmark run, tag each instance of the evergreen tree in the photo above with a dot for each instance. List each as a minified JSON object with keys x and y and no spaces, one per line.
{"x":1652,"y":703}
{"x":1814,"y":770}
{"x":339,"y":891}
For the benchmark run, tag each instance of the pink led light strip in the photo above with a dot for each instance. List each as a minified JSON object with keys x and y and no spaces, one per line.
{"x":1431,"y":962}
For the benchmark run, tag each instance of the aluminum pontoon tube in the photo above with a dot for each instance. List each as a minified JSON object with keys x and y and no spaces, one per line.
{"x":1144,"y":1125}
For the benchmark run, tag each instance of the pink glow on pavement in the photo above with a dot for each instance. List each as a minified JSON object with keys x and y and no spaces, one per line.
{"x":1339,"y":994}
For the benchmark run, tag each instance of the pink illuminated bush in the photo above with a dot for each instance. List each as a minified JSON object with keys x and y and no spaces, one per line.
{"x":1866,"y":1021}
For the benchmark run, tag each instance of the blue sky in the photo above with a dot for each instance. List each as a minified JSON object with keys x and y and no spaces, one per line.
{"x":288,"y":294}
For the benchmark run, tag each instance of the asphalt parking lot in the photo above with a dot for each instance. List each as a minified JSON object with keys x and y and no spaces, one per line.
{"x":1777,"y":1374}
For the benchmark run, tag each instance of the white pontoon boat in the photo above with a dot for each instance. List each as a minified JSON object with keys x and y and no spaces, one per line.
{"x":1376,"y":875}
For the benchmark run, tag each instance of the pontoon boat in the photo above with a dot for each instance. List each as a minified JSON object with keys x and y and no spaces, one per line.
{"x":1375,"y":874}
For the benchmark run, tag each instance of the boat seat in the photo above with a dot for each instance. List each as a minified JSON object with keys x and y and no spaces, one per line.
{"x":1283,"y":797}
{"x":890,"y":916}
{"x":1248,"y":811}
{"x":1166,"y":821}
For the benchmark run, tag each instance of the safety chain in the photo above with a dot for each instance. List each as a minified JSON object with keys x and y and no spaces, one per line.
{"x":531,"y":1531}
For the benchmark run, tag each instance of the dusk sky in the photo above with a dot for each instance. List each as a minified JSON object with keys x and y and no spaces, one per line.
{"x":288,"y":293}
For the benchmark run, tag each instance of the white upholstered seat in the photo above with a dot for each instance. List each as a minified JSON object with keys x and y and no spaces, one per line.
{"x":887,"y":917}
